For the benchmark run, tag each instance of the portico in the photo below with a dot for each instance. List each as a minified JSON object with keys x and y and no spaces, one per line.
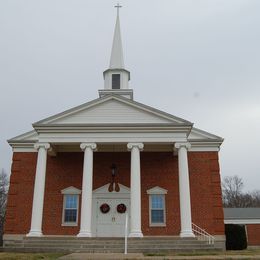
{"x":87,"y":188}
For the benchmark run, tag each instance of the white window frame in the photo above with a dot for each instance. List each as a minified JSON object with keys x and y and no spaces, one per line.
{"x":65,"y":192}
{"x":157,"y":191}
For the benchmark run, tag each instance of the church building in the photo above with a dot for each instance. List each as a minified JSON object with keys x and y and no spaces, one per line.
{"x":84,"y":172}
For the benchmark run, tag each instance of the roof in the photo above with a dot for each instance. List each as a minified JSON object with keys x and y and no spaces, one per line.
{"x":125,"y":105}
{"x":241,"y":213}
{"x":128,"y":116}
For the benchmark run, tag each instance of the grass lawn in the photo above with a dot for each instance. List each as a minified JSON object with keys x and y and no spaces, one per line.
{"x":248,"y":252}
{"x":52,"y":256}
{"x":30,"y":256}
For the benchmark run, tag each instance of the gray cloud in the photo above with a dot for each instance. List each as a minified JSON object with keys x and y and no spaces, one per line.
{"x":197,"y":59}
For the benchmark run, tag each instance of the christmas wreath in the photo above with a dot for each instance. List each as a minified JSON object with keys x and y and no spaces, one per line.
{"x":121,"y":208}
{"x":104,"y":208}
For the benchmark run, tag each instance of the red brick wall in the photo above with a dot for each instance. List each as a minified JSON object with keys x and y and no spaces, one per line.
{"x":205,"y":188}
{"x":253,"y":234}
{"x":161,"y":169}
{"x":19,"y":205}
{"x":158,"y":169}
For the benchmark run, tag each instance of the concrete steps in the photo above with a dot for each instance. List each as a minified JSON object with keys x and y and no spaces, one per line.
{"x":107,"y":245}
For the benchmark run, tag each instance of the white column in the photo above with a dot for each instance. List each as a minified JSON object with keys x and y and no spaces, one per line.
{"x":184,"y":190}
{"x":135,"y":229}
{"x":39,"y":186}
{"x":87,"y":184}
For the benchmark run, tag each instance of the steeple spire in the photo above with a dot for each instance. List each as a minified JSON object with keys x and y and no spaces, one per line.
{"x":116,"y":77}
{"x":117,"y":57}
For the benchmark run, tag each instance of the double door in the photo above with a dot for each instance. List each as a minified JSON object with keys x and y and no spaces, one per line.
{"x":111,"y":223}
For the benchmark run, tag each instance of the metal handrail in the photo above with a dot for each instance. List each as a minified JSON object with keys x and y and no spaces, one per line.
{"x":203,"y":234}
{"x":126,"y":231}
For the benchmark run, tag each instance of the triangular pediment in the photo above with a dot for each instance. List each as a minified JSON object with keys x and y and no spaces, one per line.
{"x":105,"y":189}
{"x":28,"y":136}
{"x":112,"y":110}
{"x":157,"y":190}
{"x":27,"y":139}
{"x":200,"y":135}
{"x":71,"y":190}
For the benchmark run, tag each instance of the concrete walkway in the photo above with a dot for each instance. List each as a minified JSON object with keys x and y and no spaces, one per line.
{"x":112,"y":256}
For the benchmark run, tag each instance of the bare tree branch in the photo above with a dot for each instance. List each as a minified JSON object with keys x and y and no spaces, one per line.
{"x":4,"y":181}
{"x":233,"y":195}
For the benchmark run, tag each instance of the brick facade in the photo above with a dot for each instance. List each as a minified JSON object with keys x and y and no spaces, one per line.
{"x":253,"y":234}
{"x":157,"y":169}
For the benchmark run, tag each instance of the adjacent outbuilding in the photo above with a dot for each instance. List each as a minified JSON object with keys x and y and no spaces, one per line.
{"x":249,"y":218}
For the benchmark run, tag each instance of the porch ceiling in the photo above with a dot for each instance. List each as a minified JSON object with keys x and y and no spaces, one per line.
{"x":121,"y":147}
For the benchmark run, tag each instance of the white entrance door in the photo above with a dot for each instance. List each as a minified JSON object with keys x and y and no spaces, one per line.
{"x":112,"y":223}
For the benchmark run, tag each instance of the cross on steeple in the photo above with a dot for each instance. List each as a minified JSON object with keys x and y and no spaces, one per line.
{"x":116,"y":77}
{"x":118,"y":6}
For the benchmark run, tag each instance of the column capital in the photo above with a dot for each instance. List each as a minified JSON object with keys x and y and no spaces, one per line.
{"x":92,"y":146}
{"x":46,"y":146}
{"x":140,"y":146}
{"x":182,"y":144}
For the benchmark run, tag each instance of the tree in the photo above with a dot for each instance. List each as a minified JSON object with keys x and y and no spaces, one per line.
{"x":232,"y":191}
{"x":233,"y":195}
{"x":3,"y":200}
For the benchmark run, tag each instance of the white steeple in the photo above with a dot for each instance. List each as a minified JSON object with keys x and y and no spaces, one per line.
{"x":116,"y":77}
{"x":117,"y":56}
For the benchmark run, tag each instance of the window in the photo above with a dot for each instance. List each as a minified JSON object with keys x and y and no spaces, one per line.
{"x":157,"y":212}
{"x":157,"y":209}
{"x":70,"y":206}
{"x":115,"y":81}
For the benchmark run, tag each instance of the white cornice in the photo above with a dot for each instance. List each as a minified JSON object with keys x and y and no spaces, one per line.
{"x":23,"y":146}
{"x":205,"y":145}
{"x":113,"y":128}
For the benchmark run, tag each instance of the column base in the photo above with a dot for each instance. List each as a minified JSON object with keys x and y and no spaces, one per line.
{"x":187,"y":233}
{"x":34,"y":233}
{"x":136,"y":234}
{"x":84,"y":234}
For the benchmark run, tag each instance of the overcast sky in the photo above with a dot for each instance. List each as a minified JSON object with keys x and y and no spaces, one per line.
{"x":199,"y":60}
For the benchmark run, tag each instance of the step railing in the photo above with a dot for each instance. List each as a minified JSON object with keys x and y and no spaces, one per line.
{"x":202,"y":234}
{"x":126,"y":231}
